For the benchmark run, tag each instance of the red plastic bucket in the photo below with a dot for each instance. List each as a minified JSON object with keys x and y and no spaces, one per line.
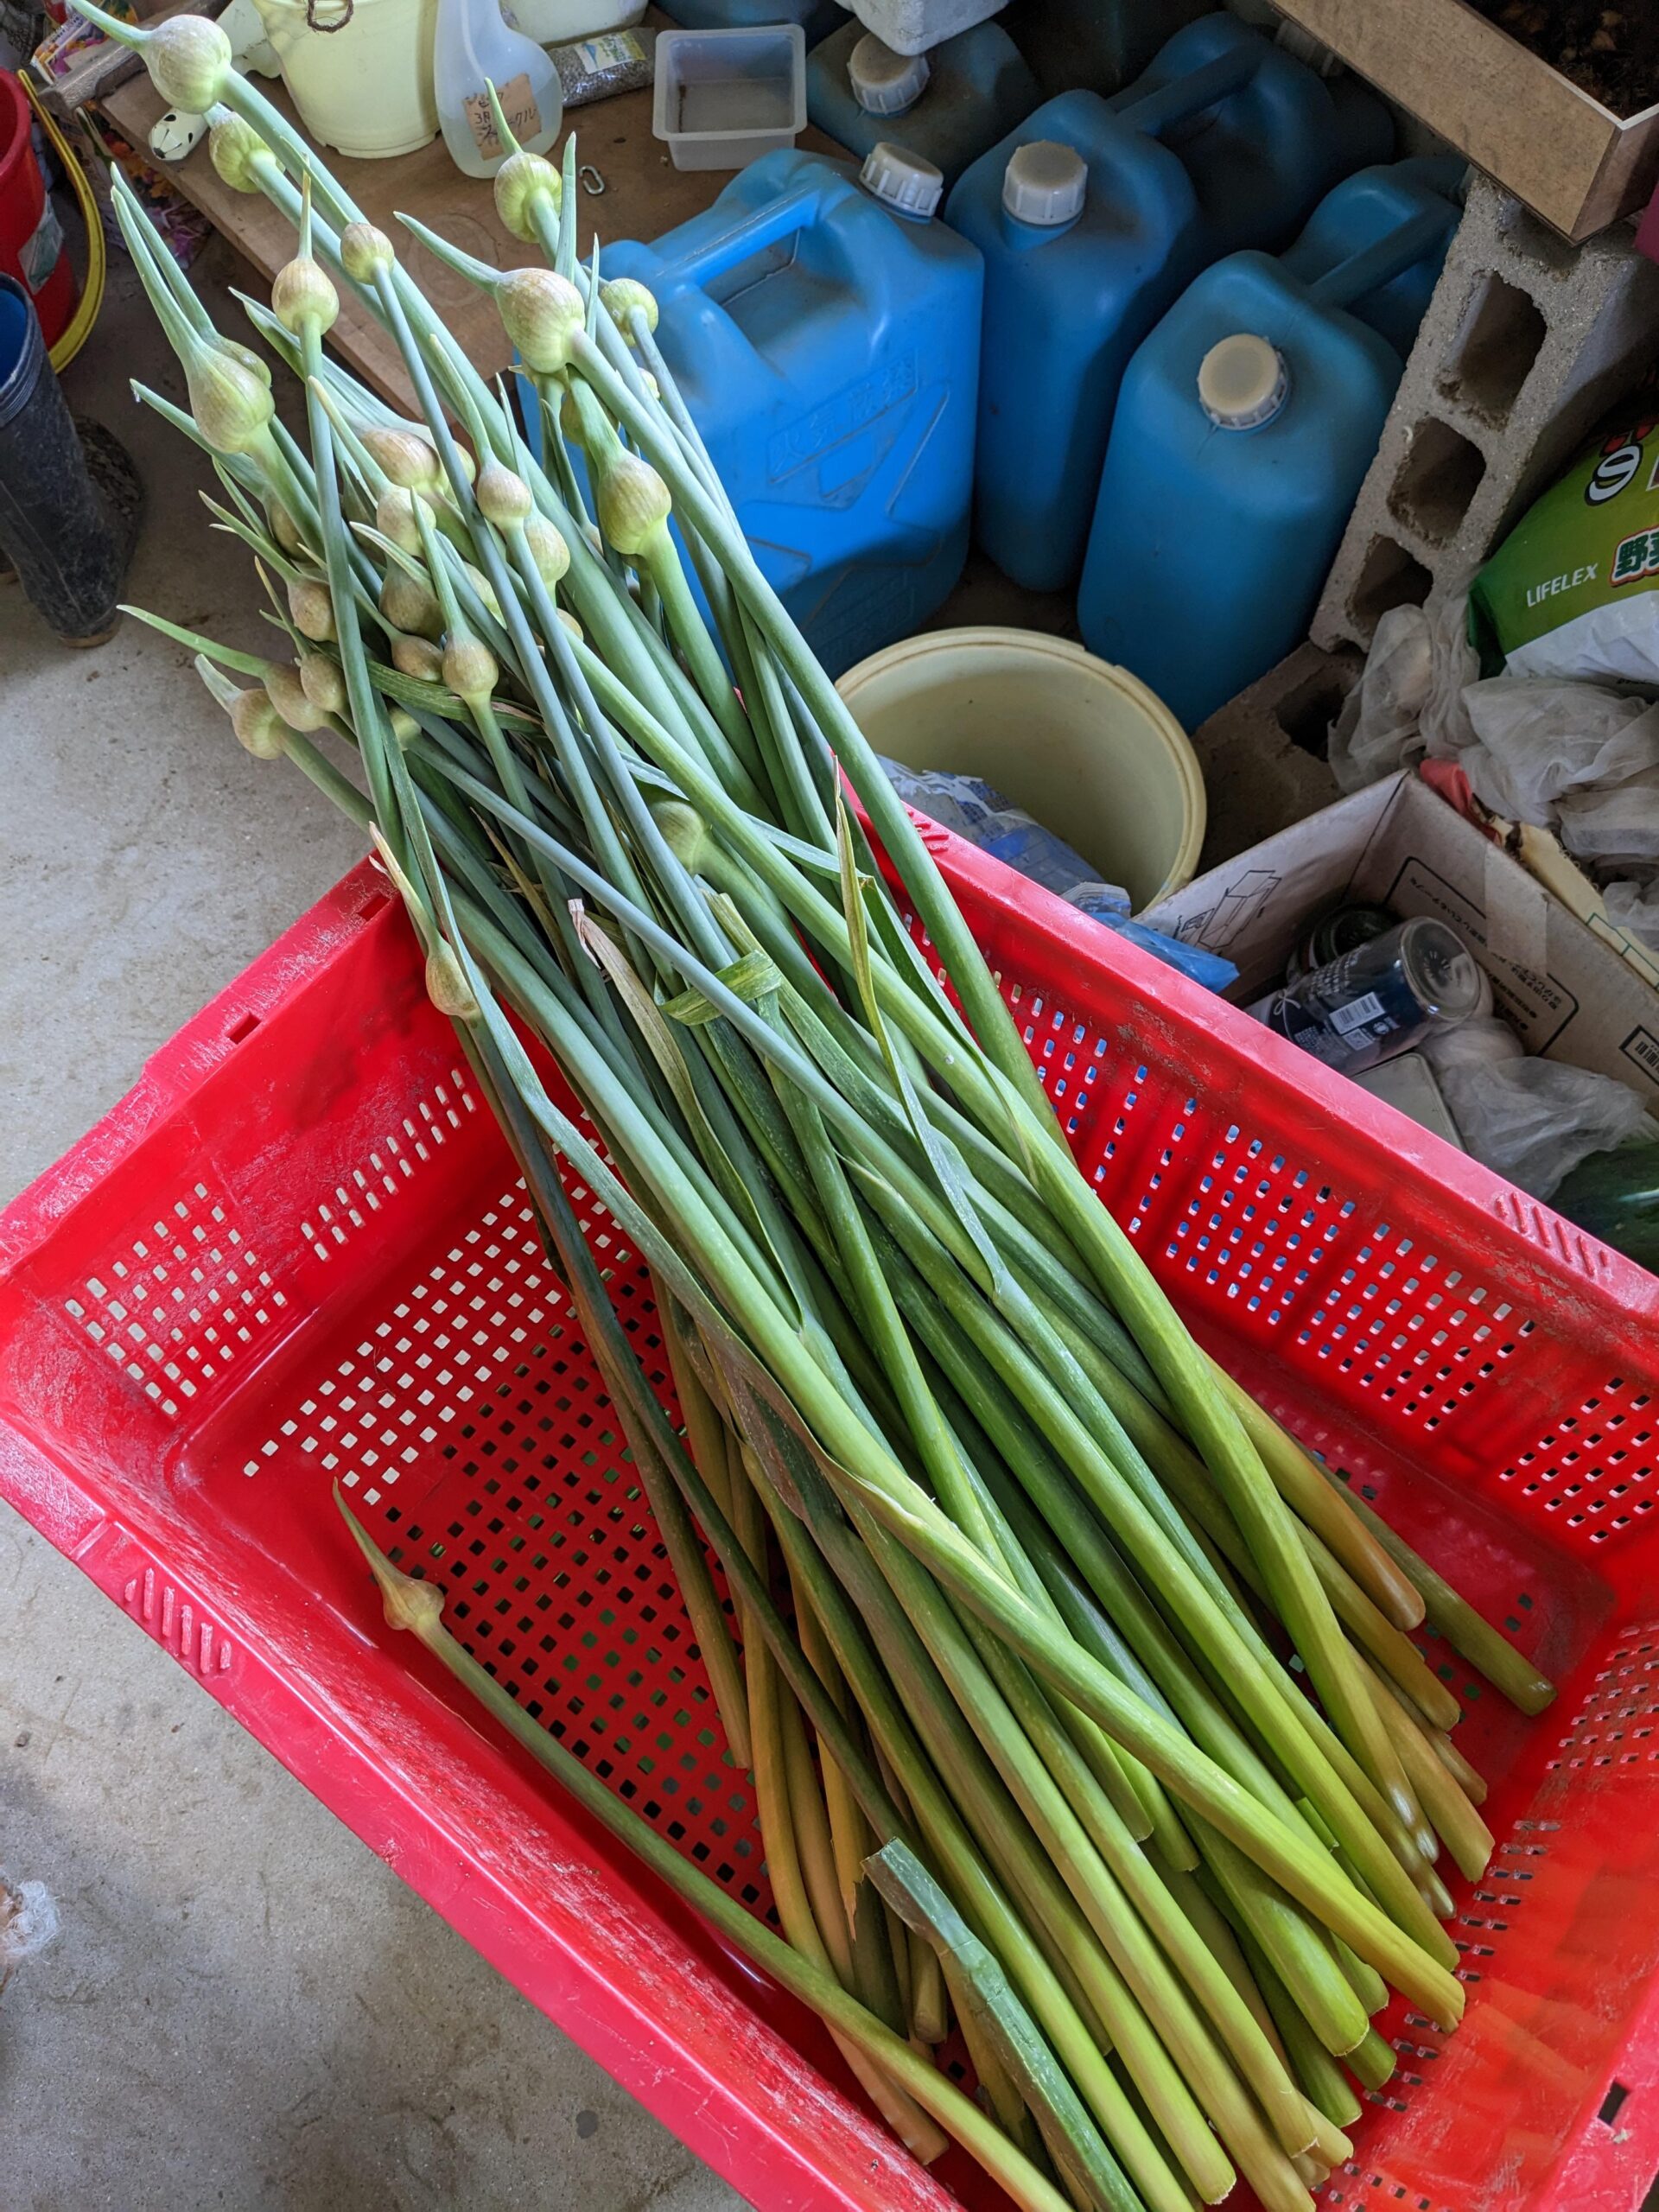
{"x":31,"y":237}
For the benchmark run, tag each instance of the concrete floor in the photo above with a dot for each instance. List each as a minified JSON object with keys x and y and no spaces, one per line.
{"x":245,"y":2008}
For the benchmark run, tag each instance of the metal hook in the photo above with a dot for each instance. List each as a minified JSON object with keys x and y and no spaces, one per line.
{"x":591,"y":180}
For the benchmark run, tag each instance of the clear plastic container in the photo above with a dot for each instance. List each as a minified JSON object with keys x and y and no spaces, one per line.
{"x":724,"y":98}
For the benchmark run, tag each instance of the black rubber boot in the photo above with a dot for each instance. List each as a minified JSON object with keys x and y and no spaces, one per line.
{"x":70,"y":553}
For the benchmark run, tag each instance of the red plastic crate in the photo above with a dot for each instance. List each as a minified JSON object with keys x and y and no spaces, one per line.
{"x":297,"y":1253}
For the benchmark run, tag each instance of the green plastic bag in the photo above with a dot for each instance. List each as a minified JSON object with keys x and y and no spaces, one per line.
{"x":1573,"y":590}
{"x":1615,"y":1195}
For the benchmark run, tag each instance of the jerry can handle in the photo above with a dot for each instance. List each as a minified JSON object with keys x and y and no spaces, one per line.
{"x":781,"y":220}
{"x":1380,"y":262}
{"x":1155,"y":112}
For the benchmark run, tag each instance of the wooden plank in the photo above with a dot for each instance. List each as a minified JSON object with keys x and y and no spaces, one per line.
{"x":1521,"y":121}
{"x":645,"y":195}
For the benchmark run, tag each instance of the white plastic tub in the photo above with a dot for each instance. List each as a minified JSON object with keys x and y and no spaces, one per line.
{"x":723,"y":98}
{"x":1084,"y":747}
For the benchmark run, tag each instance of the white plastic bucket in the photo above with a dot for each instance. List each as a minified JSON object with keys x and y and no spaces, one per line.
{"x":1083,"y":747}
{"x":360,"y":71}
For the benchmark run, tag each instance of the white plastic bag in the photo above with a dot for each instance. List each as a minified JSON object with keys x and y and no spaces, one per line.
{"x":1482,"y":1041}
{"x":1530,"y":1120}
{"x":1377,"y":730}
{"x":1539,"y":741}
{"x":1454,"y":667}
{"x":1615,"y":830}
{"x":1635,"y":907}
{"x":1408,"y":700}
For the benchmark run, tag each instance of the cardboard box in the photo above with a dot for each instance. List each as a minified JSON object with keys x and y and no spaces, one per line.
{"x":1567,"y":991}
{"x":1522,"y":122}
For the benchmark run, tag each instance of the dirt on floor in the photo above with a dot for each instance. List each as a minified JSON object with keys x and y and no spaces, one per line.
{"x":1610,"y":48}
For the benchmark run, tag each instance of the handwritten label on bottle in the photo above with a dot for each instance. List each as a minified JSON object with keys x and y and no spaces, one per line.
{"x":517,"y":104}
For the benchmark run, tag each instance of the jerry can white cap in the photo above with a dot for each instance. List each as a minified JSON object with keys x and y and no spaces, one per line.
{"x":901,"y":179}
{"x":1242,"y":382}
{"x":883,"y":82}
{"x":1044,"y":183}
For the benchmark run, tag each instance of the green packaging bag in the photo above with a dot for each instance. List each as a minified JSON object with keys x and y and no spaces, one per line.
{"x":1573,"y":590}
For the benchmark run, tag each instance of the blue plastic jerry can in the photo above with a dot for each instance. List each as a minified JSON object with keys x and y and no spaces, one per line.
{"x":1261,"y":157}
{"x":817,"y":18}
{"x":948,"y":105}
{"x":1093,"y":216}
{"x":1089,"y":231}
{"x":1096,"y":45}
{"x":823,"y":331}
{"x":1371,"y":204}
{"x":1244,"y":427}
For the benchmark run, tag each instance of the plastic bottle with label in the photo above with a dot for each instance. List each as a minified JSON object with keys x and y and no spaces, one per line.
{"x":475,"y":47}
{"x":1244,"y":427}
{"x":947,"y":106}
{"x":823,"y":330}
{"x":1093,"y":215}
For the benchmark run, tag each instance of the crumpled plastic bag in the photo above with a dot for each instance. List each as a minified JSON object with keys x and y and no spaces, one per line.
{"x":1484,"y":1040}
{"x":1572,"y":756}
{"x":1533,"y":1120}
{"x":1538,"y":741}
{"x":1635,"y":907}
{"x":1409,"y":701}
{"x":1613,"y":831}
{"x":29,"y":1922}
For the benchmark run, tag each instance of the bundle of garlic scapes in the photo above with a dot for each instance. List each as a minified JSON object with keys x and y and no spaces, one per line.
{"x":1079,"y":1701}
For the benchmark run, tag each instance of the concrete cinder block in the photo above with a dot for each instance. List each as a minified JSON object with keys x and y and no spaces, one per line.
{"x":1263,"y":752}
{"x":1526,"y":345}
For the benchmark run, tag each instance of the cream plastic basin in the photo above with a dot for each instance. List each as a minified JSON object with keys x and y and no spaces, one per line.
{"x":361,"y":79}
{"x":1083,"y":747}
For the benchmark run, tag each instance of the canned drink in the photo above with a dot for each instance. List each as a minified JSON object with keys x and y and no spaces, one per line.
{"x":1380,"y":998}
{"x":1332,"y":935}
